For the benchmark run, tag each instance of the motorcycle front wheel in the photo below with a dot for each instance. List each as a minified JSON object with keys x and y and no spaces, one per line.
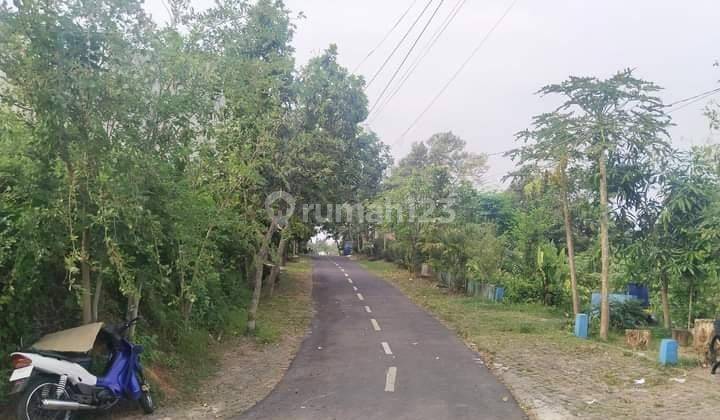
{"x":146,"y":401}
{"x":30,"y":404}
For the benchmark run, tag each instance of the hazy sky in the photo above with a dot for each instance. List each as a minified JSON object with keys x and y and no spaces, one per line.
{"x":673,"y":43}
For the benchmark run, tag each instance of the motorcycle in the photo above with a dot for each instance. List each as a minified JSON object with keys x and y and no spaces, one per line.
{"x":53,"y":380}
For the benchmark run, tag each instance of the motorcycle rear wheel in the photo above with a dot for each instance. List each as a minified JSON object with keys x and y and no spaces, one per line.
{"x":30,"y":407}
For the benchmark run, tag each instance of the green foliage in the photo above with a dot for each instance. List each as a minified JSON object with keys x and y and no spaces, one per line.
{"x":623,"y":315}
{"x":135,"y":161}
{"x":266,"y":334}
{"x":521,"y":289}
{"x":420,"y":197}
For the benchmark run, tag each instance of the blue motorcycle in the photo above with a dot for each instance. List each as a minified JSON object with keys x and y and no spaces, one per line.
{"x":54,"y":381}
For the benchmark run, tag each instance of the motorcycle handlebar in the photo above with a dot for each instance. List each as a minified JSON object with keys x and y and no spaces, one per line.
{"x":127,"y":325}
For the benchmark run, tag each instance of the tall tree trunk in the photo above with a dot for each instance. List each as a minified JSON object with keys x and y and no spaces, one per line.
{"x":690,"y":304}
{"x":605,"y":250}
{"x":96,"y":297}
{"x":86,"y":283}
{"x":284,"y":253}
{"x":259,"y":261}
{"x":280,"y":263}
{"x":570,"y":248}
{"x":134,"y":308}
{"x":665,"y":301}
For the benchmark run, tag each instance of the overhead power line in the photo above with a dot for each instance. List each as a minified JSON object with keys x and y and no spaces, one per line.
{"x":418,"y":60}
{"x":382,"y":67}
{"x":698,"y":96}
{"x":387,"y":35}
{"x":693,"y":99}
{"x":407,"y":55}
{"x":459,"y":70}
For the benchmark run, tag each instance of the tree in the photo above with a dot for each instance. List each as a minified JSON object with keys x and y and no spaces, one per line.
{"x":620,"y":122}
{"x":419,"y":195}
{"x":688,"y":250}
{"x":331,"y":158}
{"x":68,"y":63}
{"x":552,"y":145}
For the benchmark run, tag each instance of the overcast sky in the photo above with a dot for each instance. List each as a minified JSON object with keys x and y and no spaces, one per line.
{"x":670,"y":42}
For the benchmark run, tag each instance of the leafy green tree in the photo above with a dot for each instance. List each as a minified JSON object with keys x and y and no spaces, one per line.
{"x":331,"y":158}
{"x":688,"y":252}
{"x":420,"y":196}
{"x":68,"y":63}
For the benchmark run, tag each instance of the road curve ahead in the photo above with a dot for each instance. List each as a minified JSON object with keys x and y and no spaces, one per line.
{"x":373,"y":354}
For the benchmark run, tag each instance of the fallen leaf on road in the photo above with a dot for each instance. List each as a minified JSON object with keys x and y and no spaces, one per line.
{"x":678,"y":380}
{"x":639,"y":381}
{"x":505,"y":399}
{"x":591,"y":402}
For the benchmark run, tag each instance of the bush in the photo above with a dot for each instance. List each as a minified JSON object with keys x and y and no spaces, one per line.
{"x":234,"y":321}
{"x":519,"y":289}
{"x":623,"y":315}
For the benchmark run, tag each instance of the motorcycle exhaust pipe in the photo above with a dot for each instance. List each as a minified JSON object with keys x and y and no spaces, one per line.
{"x":65,"y":405}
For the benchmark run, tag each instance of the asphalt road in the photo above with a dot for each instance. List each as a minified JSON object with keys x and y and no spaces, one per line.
{"x":373,"y":354}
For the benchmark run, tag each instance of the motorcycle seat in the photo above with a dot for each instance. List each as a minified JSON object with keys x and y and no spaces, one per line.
{"x":81,"y":359}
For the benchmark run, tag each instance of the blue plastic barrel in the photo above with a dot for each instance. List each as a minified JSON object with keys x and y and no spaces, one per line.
{"x":499,"y":293}
{"x":639,"y":292}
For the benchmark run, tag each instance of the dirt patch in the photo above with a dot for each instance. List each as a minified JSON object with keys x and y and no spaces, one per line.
{"x":598,"y":382}
{"x":248,"y":373}
{"x":554,"y":375}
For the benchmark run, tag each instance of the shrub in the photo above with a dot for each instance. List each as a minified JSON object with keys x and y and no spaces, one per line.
{"x":623,"y":315}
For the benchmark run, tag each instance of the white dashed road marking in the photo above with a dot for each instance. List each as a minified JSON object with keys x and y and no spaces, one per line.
{"x":360,"y":296}
{"x":390,"y":379}
{"x":347,"y":275}
{"x":367,"y":309}
{"x":349,"y":280}
{"x":355,"y":288}
{"x":375,"y":324}
{"x":386,"y":348}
